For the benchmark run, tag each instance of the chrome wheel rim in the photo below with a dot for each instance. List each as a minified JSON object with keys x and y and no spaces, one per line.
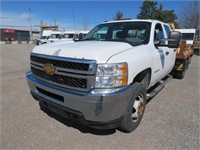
{"x":138,"y":108}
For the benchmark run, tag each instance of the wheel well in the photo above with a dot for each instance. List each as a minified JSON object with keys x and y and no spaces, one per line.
{"x":142,"y":75}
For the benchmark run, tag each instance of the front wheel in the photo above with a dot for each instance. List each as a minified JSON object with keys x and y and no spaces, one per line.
{"x":136,"y":108}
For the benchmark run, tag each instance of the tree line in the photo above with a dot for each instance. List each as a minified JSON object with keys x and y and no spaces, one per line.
{"x":189,"y":17}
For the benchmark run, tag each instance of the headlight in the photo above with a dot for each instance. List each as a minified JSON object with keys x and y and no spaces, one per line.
{"x":111,"y":75}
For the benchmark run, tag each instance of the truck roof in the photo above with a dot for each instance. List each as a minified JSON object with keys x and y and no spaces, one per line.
{"x":133,"y":20}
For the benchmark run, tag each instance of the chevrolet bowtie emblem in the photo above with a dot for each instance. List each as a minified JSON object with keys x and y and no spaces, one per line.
{"x":49,"y":69}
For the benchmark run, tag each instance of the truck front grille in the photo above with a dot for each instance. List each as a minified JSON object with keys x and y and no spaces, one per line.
{"x":70,"y":73}
{"x":60,"y":63}
{"x":60,"y":79}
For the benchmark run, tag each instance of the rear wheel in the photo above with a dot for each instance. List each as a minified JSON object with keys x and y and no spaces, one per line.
{"x":136,"y":108}
{"x":181,"y":74}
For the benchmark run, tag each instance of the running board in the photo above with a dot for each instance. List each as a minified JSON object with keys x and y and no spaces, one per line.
{"x":158,"y":87}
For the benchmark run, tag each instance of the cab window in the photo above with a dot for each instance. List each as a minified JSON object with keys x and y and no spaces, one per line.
{"x":159,"y":34}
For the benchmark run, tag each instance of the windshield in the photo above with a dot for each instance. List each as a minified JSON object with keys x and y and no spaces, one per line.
{"x":134,"y":33}
{"x":187,"y":36}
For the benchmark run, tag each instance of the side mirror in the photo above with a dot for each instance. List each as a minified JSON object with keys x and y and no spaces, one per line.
{"x":174,"y":39}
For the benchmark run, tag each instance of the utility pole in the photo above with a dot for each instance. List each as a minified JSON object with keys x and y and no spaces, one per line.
{"x":73,"y":19}
{"x":30,"y":21}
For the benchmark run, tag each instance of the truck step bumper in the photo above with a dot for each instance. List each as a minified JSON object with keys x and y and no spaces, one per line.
{"x":73,"y":115}
{"x":98,"y":109}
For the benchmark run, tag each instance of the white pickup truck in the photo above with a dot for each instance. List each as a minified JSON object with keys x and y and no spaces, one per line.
{"x":104,"y":79}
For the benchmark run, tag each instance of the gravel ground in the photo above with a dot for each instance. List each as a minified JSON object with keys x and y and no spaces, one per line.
{"x":171,"y":120}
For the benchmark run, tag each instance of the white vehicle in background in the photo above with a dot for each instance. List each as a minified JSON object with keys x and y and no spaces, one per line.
{"x":44,"y":37}
{"x":80,"y":34}
{"x":67,"y":36}
{"x":71,"y":36}
{"x":55,"y":36}
{"x":188,"y":35}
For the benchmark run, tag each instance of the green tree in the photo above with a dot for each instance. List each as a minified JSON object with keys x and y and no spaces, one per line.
{"x":165,"y":15}
{"x":118,"y":16}
{"x":149,"y":10}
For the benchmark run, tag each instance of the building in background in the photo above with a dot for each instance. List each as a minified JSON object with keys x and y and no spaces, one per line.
{"x":15,"y":35}
{"x":46,"y":27}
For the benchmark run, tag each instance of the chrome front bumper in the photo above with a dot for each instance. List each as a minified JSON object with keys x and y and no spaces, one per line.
{"x":94,"y":107}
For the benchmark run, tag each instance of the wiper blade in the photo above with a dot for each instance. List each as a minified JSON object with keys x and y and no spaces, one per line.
{"x":119,"y":40}
{"x":126,"y":41}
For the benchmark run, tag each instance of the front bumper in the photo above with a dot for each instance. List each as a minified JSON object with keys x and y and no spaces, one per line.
{"x":88,"y":108}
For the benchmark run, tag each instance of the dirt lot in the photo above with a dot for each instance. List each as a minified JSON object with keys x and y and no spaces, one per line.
{"x":171,"y":120}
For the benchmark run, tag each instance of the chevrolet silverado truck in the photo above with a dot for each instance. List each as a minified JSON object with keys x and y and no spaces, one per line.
{"x":104,"y":79}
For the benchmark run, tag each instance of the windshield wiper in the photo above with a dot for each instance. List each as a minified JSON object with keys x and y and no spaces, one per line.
{"x":125,"y":41}
{"x":119,"y":40}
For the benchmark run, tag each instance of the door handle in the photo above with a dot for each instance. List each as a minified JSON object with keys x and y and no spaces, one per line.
{"x":166,"y":53}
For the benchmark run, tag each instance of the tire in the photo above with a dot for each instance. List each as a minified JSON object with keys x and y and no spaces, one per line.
{"x":133,"y":117}
{"x":181,"y":74}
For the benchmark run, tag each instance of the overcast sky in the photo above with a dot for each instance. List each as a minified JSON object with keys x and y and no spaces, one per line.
{"x":15,"y":14}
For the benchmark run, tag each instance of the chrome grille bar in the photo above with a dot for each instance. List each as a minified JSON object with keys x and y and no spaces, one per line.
{"x":69,"y":73}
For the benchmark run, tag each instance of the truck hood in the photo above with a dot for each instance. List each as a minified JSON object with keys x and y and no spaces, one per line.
{"x":100,"y":51}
